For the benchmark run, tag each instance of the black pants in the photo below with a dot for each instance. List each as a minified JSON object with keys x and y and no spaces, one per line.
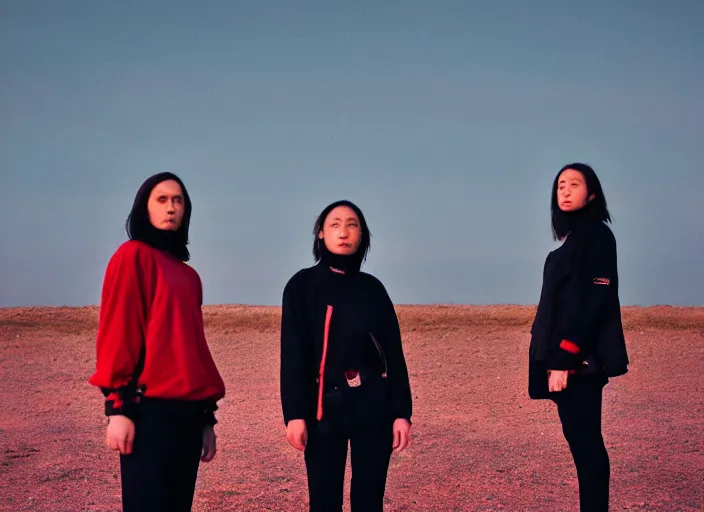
{"x":579,"y":407}
{"x":357,"y":416}
{"x":160,"y":473}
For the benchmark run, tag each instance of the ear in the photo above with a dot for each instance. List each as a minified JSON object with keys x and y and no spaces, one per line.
{"x":320,"y":235}
{"x":591,"y":198}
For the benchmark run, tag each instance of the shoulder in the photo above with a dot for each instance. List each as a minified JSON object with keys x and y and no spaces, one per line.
{"x":599,"y":232}
{"x":374,"y":283}
{"x":132,"y":249}
{"x":132,"y":262}
{"x":300,"y":279}
{"x":192,"y":272}
{"x":131,"y":252}
{"x":371,"y":279}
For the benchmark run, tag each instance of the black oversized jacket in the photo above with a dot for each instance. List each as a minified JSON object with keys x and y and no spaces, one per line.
{"x":579,"y":313}
{"x":303,"y":325}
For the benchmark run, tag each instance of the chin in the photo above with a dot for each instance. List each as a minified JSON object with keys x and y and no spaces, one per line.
{"x":343,"y":252}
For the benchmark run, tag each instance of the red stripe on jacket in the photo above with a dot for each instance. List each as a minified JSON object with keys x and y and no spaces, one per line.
{"x":321,"y":374}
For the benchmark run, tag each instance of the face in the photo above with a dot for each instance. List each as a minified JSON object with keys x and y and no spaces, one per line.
{"x":572,"y":191}
{"x":166,"y":206}
{"x":341,"y":231}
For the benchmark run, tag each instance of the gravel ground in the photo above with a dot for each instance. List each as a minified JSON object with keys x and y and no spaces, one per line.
{"x":479,"y":443}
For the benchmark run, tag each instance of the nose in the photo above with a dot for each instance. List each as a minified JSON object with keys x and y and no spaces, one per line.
{"x":170,"y":207}
{"x":343,"y":232}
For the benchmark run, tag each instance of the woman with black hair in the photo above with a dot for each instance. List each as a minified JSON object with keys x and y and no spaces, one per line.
{"x":577,"y":337}
{"x":153,"y":363}
{"x":343,"y":372}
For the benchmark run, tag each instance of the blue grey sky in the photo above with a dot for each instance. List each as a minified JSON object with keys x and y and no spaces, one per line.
{"x":444,"y":121}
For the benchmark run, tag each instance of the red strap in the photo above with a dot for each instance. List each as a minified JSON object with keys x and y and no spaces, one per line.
{"x":569,"y":346}
{"x":321,"y":375}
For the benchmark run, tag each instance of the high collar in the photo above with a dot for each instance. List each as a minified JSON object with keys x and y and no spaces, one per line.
{"x":574,"y":221}
{"x":339,"y":263}
{"x":165,"y":240}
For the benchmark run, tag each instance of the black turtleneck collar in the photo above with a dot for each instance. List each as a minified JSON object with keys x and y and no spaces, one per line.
{"x":165,"y":240}
{"x":573,"y":221}
{"x":346,"y":264}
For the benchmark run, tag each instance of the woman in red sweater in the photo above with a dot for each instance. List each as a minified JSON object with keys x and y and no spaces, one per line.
{"x":153,"y":362}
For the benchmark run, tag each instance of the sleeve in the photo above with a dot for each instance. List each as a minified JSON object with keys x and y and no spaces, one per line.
{"x":210,"y":406}
{"x":292,"y":377}
{"x":590,"y":291}
{"x":399,"y":384}
{"x":209,"y":413}
{"x":124,"y":305}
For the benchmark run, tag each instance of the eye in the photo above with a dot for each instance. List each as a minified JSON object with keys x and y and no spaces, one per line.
{"x":334,"y":224}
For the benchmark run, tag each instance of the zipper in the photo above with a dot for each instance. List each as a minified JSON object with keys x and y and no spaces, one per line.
{"x":382,"y":355}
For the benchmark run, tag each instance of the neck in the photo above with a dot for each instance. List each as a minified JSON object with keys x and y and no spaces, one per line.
{"x":573,"y":220}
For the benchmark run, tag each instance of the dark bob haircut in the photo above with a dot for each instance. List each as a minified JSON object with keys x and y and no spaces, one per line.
{"x":139,"y":227}
{"x":596,"y":207}
{"x":365,"y":243}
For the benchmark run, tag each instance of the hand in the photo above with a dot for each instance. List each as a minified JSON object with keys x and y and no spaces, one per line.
{"x":557,"y":380}
{"x":402,"y":435}
{"x":297,"y":434}
{"x":120,"y":434}
{"x":208,"y":444}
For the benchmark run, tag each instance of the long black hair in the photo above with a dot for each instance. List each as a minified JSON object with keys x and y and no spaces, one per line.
{"x":139,"y":227}
{"x":596,"y":208}
{"x":365,"y":243}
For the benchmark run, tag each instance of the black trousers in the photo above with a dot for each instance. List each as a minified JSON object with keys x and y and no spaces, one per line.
{"x":358,"y":416}
{"x":579,"y":408}
{"x":160,"y":473}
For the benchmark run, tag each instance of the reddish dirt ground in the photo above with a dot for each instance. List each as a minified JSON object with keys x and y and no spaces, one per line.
{"x":479,"y":444}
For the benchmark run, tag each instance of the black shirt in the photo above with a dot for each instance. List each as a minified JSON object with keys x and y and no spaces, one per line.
{"x":579,"y":303}
{"x":359,"y":308}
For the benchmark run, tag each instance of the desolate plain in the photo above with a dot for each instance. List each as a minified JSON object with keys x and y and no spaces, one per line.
{"x":479,"y":443}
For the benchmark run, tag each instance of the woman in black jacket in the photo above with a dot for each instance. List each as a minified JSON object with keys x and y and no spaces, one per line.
{"x":577,"y":337}
{"x":343,"y":372}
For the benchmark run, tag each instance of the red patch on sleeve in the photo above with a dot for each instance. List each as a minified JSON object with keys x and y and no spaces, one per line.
{"x":602,"y":280}
{"x":569,"y":346}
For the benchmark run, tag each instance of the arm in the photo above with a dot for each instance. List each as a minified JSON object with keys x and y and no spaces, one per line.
{"x":124,"y":308}
{"x":399,"y":385}
{"x":210,"y":406}
{"x":590,"y":290}
{"x":292,"y":377}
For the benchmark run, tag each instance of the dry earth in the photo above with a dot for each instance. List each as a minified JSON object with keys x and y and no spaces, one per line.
{"x":479,"y":444}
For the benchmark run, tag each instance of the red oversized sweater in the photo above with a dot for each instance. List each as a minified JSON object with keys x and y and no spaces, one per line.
{"x":151,"y":299}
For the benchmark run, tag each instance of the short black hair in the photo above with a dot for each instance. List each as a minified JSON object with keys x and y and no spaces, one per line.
{"x":138,"y":225}
{"x":596,"y":207}
{"x":365,"y":243}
